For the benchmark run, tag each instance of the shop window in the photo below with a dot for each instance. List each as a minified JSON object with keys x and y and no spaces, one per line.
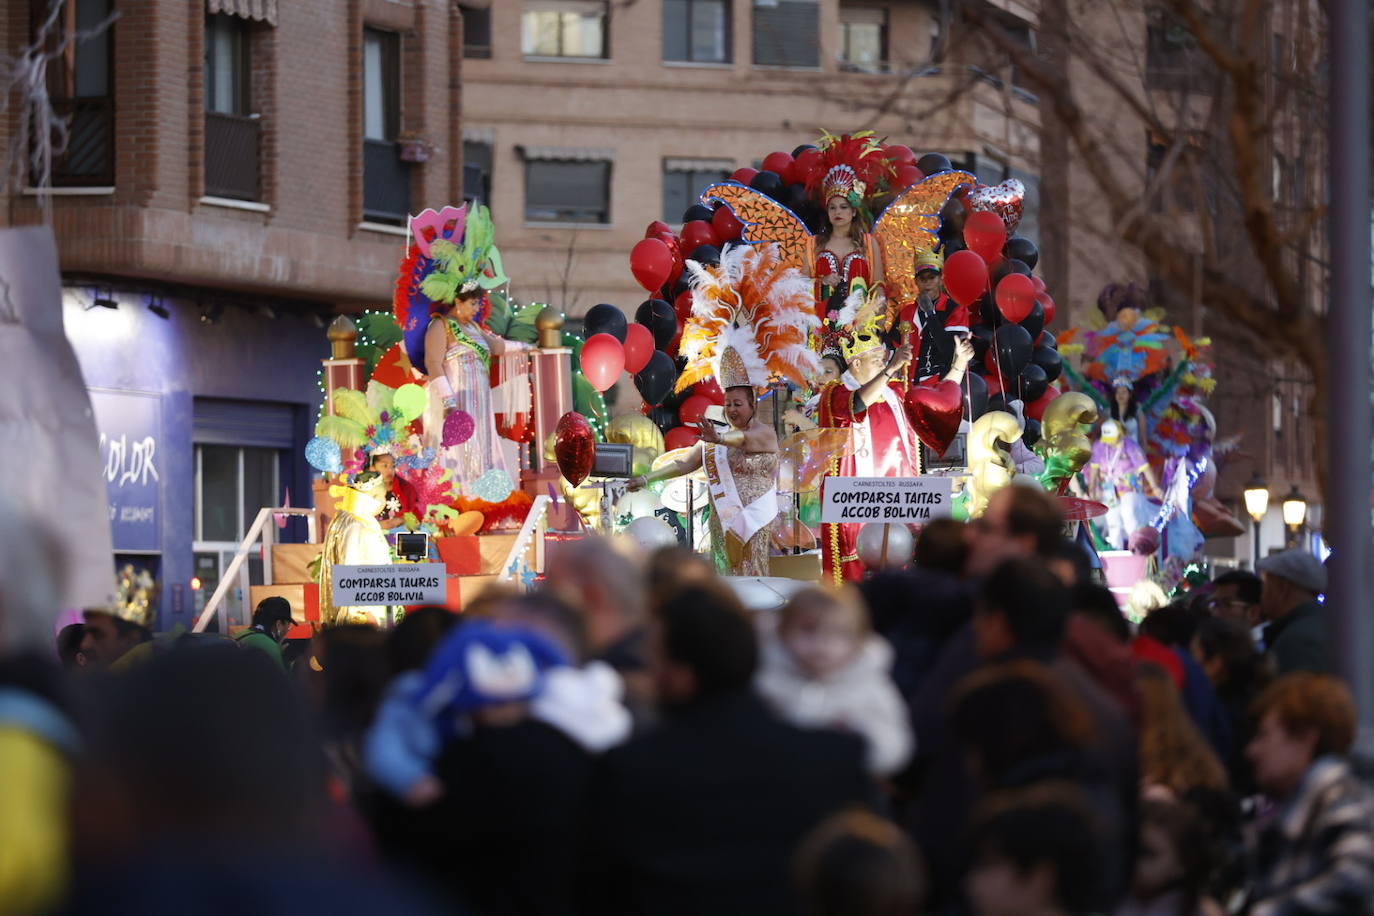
{"x":787,"y":33}
{"x":386,"y":178}
{"x":697,"y":31}
{"x":564,"y":28}
{"x":683,"y":182}
{"x":863,"y":39}
{"x":476,"y":30}
{"x":567,"y":191}
{"x":81,"y":88}
{"x":233,"y":132}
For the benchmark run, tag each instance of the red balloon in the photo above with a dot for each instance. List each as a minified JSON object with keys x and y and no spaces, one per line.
{"x":603,"y":359}
{"x":675,"y":343}
{"x":777,"y":162}
{"x":1015,"y":297}
{"x":680,"y":437}
{"x":639,"y":347}
{"x":965,"y":276}
{"x":908,"y":175}
{"x":710,"y":390}
{"x":1036,"y":409}
{"x":805,"y":164}
{"x":697,"y":233}
{"x":985,"y":233}
{"x":1039,"y":284}
{"x":657,"y":229}
{"x":651,"y":262}
{"x":574,"y":446}
{"x":900,"y":155}
{"x":693,"y":409}
{"x":744,"y":175}
{"x":1047,"y":304}
{"x":683,"y":305}
{"x":727,"y":227}
{"x":994,"y":382}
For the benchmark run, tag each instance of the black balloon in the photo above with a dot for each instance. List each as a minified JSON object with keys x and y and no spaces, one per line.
{"x":998,"y":402}
{"x":801,"y":149}
{"x":705,"y":254}
{"x":655,"y":380}
{"x":950,"y":244}
{"x":1005,"y":268}
{"x":665,"y":418}
{"x":605,"y":319}
{"x":794,"y":197}
{"x":1013,"y":348}
{"x":1034,"y":381}
{"x":976,"y":400}
{"x":931,"y":163}
{"x":981,"y":339}
{"x":659,"y":317}
{"x":1023,"y":250}
{"x":696,"y":212}
{"x":1034,"y":323}
{"x":1049,"y":360}
{"x":1046,"y":339}
{"x":769,"y":183}
{"x":989,"y":312}
{"x":1031,"y":434}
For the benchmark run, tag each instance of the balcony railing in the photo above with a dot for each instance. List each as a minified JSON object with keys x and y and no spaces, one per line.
{"x":88,"y":160}
{"x":386,"y":183}
{"x":232,"y":145}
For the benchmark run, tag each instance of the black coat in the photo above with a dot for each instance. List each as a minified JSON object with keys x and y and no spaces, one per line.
{"x":703,"y":814}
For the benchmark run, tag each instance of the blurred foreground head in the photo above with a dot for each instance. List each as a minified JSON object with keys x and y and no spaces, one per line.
{"x":857,"y":864}
{"x":204,"y":745}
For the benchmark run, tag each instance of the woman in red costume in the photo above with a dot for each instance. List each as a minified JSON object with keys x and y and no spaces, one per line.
{"x":850,"y":169}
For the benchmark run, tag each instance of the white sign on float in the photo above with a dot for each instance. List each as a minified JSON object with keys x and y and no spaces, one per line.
{"x":902,"y":500}
{"x":403,"y":583}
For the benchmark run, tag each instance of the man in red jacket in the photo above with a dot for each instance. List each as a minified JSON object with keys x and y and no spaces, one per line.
{"x":933,"y":323}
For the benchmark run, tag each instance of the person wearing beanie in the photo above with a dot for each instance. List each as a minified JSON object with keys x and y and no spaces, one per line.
{"x":1296,"y":630}
{"x":271,"y":621}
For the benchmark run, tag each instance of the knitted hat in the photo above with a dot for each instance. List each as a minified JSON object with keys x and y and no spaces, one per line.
{"x":483,"y":664}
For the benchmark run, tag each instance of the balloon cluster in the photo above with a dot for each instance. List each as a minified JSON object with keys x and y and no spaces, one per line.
{"x":990,"y":270}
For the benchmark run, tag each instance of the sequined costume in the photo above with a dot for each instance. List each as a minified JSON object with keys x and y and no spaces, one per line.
{"x":744,"y":507}
{"x":354,"y":539}
{"x":467,"y":373}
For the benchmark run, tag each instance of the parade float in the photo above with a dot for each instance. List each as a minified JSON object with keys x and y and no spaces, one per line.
{"x":833,"y":350}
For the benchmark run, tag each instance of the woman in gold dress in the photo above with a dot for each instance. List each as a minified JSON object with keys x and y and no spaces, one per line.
{"x":750,"y":319}
{"x":741,"y":471}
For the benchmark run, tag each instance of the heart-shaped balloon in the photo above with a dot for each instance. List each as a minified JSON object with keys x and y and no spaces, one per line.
{"x":458,"y":428}
{"x":1003,"y":199}
{"x":574,"y":446}
{"x":935,"y":409}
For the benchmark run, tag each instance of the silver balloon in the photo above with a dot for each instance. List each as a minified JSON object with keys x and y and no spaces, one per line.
{"x":875,"y":554}
{"x":650,"y":533}
{"x":636,"y":504}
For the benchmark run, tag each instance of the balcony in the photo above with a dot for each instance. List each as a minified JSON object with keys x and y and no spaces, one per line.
{"x":232,"y":144}
{"x":88,"y":160}
{"x":386,"y":183}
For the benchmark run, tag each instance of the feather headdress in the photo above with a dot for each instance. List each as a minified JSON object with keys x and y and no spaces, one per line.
{"x":749,"y":322}
{"x":852,"y":166}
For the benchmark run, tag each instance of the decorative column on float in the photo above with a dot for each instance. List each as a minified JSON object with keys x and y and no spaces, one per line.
{"x":551,"y":367}
{"x":343,"y":369}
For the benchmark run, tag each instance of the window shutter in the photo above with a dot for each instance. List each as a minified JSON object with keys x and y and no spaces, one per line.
{"x":257,"y":10}
{"x":787,"y":34}
{"x":249,"y":423}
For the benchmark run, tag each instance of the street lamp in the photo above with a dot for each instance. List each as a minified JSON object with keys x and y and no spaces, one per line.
{"x":1257,"y":504}
{"x":1294,"y":512}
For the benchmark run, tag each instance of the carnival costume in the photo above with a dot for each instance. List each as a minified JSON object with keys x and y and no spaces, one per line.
{"x":883,"y":437}
{"x":749,"y":325}
{"x":852,"y":167}
{"x":1116,"y":478}
{"x":354,"y":539}
{"x":453,"y":253}
{"x":929,"y":327}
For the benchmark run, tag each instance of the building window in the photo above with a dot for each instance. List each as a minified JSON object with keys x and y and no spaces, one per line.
{"x":1024,"y":37}
{"x":476,"y":30}
{"x":559,"y":191}
{"x":863,"y":39}
{"x":386,"y":179}
{"x":81,"y":88}
{"x":232,"y":484}
{"x":787,"y":33}
{"x":697,"y":31}
{"x":232,"y":130}
{"x":1171,"y":56}
{"x":564,"y":28}
{"x":683,"y":182}
{"x":477,"y":163}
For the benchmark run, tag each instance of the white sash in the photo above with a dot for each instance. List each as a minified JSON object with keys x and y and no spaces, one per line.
{"x":861,"y":434}
{"x":743,"y":521}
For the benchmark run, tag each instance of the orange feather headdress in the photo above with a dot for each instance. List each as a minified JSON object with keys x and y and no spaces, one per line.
{"x":749,"y":322}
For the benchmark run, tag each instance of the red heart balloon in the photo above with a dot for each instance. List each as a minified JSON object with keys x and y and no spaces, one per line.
{"x":574,"y":446}
{"x":934,"y":409}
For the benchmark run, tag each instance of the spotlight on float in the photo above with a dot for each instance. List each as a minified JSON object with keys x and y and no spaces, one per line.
{"x":103,"y":299}
{"x":157,"y":308}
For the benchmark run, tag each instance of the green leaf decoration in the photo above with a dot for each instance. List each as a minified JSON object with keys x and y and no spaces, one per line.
{"x":349,"y":434}
{"x":352,"y":405}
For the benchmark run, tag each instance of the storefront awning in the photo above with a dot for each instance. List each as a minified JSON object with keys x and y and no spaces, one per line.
{"x":566,"y":153}
{"x":257,"y":10}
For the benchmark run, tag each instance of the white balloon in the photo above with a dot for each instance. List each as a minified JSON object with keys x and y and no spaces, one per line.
{"x":870,"y":549}
{"x":637,"y":504}
{"x":650,"y":533}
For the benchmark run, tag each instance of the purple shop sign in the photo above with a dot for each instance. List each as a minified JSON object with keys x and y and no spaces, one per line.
{"x":130,"y":425}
